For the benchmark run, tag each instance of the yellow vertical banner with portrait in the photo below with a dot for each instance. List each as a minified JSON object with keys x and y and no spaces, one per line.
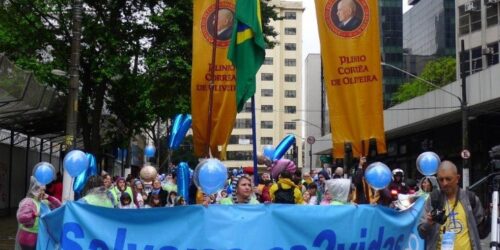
{"x":223,"y":112}
{"x":350,"y":49}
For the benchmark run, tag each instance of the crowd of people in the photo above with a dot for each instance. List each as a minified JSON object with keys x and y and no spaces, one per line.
{"x":283,"y":184}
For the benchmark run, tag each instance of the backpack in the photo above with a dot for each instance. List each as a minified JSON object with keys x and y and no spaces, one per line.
{"x":483,"y":228}
{"x":284,"y":196}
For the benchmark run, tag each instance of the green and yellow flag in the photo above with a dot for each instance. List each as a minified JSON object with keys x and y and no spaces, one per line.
{"x":247,"y":49}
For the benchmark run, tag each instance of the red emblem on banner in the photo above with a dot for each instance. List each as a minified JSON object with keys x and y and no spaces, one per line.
{"x":224,"y":27}
{"x":347,"y":18}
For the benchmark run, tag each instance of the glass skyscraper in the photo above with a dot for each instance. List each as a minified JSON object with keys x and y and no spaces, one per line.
{"x":428,"y":32}
{"x":391,"y":30}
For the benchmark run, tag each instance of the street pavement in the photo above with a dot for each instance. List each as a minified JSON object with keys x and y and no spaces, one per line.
{"x":8,"y":229}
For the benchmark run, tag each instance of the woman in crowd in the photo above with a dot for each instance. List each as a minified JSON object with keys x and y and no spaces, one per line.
{"x":426,"y":185}
{"x":243,"y":191}
{"x":121,"y":187}
{"x":36,"y":204}
{"x":95,"y":193}
{"x":306,"y":197}
{"x":339,"y":190}
{"x":171,"y":198}
{"x":140,"y":196}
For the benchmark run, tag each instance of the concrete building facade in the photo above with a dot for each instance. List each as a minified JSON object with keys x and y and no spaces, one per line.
{"x":279,"y":93}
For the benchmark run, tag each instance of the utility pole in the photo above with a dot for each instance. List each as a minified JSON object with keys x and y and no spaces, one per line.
{"x":465,"y":122}
{"x":72,"y":104}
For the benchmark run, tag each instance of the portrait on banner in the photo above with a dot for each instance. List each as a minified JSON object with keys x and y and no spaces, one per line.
{"x":347,"y":15}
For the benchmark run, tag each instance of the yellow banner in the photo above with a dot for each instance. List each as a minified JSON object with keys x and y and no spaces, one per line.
{"x":350,"y":49}
{"x":224,"y":90}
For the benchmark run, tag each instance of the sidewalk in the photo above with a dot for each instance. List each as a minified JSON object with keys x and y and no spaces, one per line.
{"x":8,"y":229}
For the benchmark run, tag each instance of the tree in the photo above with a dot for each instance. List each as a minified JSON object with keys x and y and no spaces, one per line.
{"x":441,"y":72}
{"x":135,"y":59}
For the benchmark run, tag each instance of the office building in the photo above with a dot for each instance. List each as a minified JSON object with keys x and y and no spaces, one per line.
{"x":428,"y":33}
{"x":391,"y":29}
{"x":279,"y":93}
{"x":478,"y":29}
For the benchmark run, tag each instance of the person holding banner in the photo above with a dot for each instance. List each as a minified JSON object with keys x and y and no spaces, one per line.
{"x":243,"y":191}
{"x":31,"y":208}
{"x":95,"y":193}
{"x":364,"y":193}
{"x":451,"y":215}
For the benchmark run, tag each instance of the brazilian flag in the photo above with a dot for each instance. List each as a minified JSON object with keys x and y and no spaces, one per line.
{"x":247,"y":48}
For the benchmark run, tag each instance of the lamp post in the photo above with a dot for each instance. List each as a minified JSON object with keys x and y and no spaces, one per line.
{"x":310,"y":139}
{"x":463,"y":109}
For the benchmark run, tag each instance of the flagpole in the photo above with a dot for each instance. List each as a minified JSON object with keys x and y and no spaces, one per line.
{"x":212,"y":74}
{"x":254,"y":143}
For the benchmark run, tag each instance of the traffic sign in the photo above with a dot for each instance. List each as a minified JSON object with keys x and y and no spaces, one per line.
{"x":311,"y":140}
{"x":465,"y":154}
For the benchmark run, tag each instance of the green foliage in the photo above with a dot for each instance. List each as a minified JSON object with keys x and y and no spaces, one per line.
{"x":135,"y":64}
{"x":440,"y":72}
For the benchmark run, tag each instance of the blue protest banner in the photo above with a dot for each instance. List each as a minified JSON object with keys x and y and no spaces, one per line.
{"x":267,"y":227}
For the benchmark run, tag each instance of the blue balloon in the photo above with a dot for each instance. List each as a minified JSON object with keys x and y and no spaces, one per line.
{"x":75,"y":162}
{"x":176,"y":125}
{"x":378,"y":175}
{"x":149,"y":151}
{"x":268,"y":151}
{"x":283,"y":146}
{"x":428,"y":163}
{"x":44,"y":173}
{"x":210,"y":175}
{"x":92,"y":164}
{"x":183,"y":180}
{"x":80,"y":181}
{"x":181,"y":134}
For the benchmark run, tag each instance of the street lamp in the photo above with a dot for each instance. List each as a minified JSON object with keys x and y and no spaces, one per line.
{"x":463,"y":109}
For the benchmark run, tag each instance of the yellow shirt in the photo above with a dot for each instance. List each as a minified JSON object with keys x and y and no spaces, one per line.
{"x":457,"y":223}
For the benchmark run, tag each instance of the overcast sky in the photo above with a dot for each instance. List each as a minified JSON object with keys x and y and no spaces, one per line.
{"x":311,"y":38}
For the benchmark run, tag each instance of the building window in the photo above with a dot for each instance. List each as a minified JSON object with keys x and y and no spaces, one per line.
{"x":268,"y":61}
{"x":469,"y":21}
{"x":476,"y":60}
{"x":290,"y":126}
{"x":240,"y":139}
{"x":290,"y":46}
{"x":266,"y":124}
{"x":290,"y":62}
{"x":290,"y":15}
{"x":243,"y":123}
{"x":290,"y":109}
{"x":266,"y":92}
{"x":240,"y":155}
{"x":290,"y":78}
{"x":247,"y":108}
{"x":266,"y":108}
{"x":266,"y":76}
{"x":492,"y":56}
{"x":290,"y":93}
{"x":266,"y":141}
{"x":491,"y":14}
{"x":290,"y":31}
{"x":463,"y":21}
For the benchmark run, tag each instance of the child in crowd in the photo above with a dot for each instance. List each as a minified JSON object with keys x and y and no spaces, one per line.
{"x":126,"y":201}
